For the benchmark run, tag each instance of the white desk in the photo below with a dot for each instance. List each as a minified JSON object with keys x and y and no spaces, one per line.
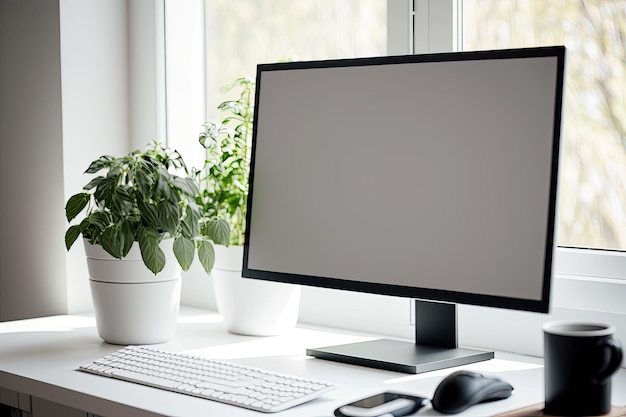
{"x":38,"y":358}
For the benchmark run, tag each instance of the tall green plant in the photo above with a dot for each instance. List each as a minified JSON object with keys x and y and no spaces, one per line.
{"x":141,"y":198}
{"x":224,"y":179}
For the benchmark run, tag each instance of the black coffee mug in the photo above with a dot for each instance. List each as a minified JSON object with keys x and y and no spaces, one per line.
{"x":579,"y":360}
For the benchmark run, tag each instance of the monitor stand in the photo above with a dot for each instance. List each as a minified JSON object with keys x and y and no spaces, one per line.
{"x":435,"y":347}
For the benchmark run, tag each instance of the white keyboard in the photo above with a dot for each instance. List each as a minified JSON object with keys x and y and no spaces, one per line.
{"x":226,"y":382}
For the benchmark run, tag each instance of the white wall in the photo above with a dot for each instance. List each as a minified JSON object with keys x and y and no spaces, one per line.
{"x":146,"y":72}
{"x":32,"y":262}
{"x":186,"y":104}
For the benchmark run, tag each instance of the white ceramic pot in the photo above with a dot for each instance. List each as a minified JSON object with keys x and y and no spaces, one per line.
{"x":250,"y":306}
{"x":132,"y":305}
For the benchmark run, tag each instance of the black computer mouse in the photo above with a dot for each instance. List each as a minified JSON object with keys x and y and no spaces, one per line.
{"x":462,"y":389}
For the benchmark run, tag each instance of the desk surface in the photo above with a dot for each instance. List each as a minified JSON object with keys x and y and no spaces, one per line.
{"x":39,"y":357}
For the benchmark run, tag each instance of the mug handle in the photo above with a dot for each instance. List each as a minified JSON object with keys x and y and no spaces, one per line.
{"x":612,"y":359}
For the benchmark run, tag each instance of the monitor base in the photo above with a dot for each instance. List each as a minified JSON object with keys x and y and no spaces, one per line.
{"x":398,"y":356}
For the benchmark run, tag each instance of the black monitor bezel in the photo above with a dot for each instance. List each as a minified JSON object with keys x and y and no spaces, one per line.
{"x":541,"y":305}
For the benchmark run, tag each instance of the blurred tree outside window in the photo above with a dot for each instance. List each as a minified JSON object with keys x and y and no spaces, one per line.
{"x":243,"y":33}
{"x":592,"y":205}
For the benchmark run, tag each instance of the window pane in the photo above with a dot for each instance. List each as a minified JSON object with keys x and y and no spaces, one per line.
{"x":243,"y":33}
{"x":592,"y":210}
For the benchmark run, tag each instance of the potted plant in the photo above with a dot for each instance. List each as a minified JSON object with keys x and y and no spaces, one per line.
{"x":249,"y":307}
{"x":143,"y":215}
{"x":224,"y":183}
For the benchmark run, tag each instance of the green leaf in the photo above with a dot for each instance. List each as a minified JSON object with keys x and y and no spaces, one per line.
{"x":71,"y":235}
{"x":99,"y":219}
{"x":152,"y":255}
{"x":206,"y":255}
{"x":143,"y":182}
{"x":162,"y":185}
{"x":98,"y":164}
{"x":149,"y":212}
{"x":122,"y":200}
{"x":93,"y":183}
{"x":87,"y":231}
{"x":112,"y":241}
{"x":168,"y":217}
{"x":105,"y":188}
{"x":75,"y":205}
{"x":184,"y":250}
{"x":186,"y":185}
{"x":191,"y":222}
{"x":219,"y":231}
{"x":128,"y":237}
{"x":207,"y":139}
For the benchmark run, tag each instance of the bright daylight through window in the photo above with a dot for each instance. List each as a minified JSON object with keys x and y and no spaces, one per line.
{"x":592,"y":205}
{"x":592,"y":212}
{"x":243,"y":33}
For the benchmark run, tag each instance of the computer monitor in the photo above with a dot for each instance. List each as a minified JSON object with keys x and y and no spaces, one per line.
{"x":429,"y":176}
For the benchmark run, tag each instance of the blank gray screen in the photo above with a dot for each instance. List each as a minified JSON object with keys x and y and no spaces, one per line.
{"x":431,"y":175}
